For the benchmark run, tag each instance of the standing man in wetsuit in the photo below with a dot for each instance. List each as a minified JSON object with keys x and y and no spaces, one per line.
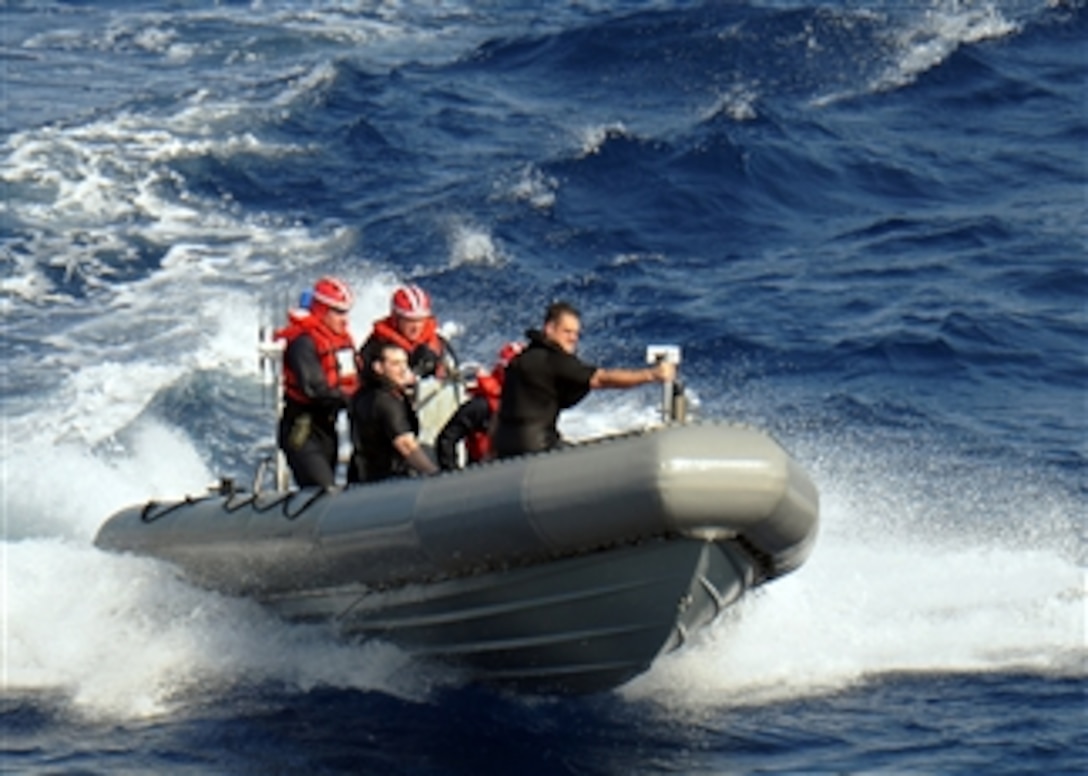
{"x":384,"y":426}
{"x":548,"y":377}
{"x":318,"y":378}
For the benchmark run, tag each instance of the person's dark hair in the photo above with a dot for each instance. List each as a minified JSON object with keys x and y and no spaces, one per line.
{"x":557,"y":310}
{"x":385,"y":348}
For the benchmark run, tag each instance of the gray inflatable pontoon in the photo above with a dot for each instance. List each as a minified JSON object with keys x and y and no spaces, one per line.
{"x":568,"y":571}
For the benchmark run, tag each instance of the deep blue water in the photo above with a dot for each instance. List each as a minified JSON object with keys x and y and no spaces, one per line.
{"x":864,"y":223}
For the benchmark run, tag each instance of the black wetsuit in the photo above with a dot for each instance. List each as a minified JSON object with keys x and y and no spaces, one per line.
{"x":540,"y":383}
{"x":379,"y":414}
{"x":307,"y":431}
{"x":472,"y":416}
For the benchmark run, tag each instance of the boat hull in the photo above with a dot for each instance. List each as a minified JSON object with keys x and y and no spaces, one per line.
{"x":577,"y":625}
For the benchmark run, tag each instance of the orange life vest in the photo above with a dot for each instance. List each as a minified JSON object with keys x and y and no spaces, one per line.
{"x":336,"y":352}
{"x":489,"y":387}
{"x":386,"y":329}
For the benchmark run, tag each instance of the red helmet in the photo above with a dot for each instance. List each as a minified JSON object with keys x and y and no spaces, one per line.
{"x":507,"y":353}
{"x":411,"y":302}
{"x":333,"y":292}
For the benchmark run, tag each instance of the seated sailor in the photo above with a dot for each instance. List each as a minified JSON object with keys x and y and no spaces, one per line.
{"x":384,"y":425}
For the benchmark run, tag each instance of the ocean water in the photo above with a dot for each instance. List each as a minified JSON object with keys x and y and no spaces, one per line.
{"x":865,"y":223}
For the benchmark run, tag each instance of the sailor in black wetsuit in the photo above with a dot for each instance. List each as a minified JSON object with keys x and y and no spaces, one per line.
{"x":384,"y":426}
{"x":548,"y":378}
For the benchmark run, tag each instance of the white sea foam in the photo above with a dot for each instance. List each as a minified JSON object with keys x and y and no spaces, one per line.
{"x":63,"y":489}
{"x":594,"y":137}
{"x":123,"y":637}
{"x":112,"y":169}
{"x":162,"y":33}
{"x":473,"y":245}
{"x":936,"y":34}
{"x":534,"y":187}
{"x":739,"y":104}
{"x":88,"y":195}
{"x":902,"y":579}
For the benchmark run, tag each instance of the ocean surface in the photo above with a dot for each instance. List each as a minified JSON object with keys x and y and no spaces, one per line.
{"x":865,"y":223}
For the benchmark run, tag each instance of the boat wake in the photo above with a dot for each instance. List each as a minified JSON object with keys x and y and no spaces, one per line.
{"x":874,"y":598}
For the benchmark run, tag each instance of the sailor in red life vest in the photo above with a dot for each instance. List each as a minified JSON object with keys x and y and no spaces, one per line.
{"x":473,"y":418}
{"x":411,"y":325}
{"x":319,"y":376}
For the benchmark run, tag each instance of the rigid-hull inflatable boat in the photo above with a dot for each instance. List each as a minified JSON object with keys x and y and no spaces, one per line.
{"x":567,"y":571}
